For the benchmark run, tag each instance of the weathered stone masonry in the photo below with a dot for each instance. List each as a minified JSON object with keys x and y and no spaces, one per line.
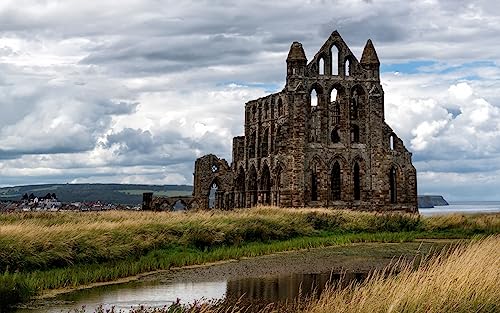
{"x":332,"y":150}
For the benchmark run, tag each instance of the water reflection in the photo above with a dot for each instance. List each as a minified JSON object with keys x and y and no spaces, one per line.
{"x":287,"y":287}
{"x":131,"y":295}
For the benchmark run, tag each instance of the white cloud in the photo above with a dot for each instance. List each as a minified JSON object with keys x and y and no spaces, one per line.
{"x":96,"y":91}
{"x":461,"y":91}
{"x":425,"y":132}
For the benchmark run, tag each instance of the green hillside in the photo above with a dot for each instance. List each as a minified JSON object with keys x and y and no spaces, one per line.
{"x":107,"y":193}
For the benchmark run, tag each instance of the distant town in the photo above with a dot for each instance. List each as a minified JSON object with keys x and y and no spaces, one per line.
{"x":50,"y":203}
{"x":82,"y":197}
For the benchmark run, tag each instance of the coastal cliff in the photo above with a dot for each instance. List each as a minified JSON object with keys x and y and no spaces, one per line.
{"x":429,"y":201}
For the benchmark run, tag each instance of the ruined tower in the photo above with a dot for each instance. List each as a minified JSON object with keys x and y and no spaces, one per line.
{"x":321,"y":141}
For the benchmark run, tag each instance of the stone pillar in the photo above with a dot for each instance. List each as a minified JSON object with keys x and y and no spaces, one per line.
{"x":147,"y":199}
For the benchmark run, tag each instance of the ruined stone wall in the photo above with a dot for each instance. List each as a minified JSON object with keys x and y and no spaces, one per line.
{"x":160,"y":203}
{"x":212,"y":173}
{"x":334,"y":152}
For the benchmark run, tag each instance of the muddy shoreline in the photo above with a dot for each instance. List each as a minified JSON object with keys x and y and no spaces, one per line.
{"x":357,"y":257}
{"x":352,"y":258}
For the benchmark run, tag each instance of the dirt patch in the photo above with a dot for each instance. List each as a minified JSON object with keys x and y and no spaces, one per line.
{"x":354,"y":258}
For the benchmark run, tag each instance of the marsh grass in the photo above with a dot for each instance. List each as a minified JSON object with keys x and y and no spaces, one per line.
{"x":55,"y":250}
{"x":13,"y":289}
{"x":83,"y":274}
{"x":464,"y":278}
{"x":42,"y":241}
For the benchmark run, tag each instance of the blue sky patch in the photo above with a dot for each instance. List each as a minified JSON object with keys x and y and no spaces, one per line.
{"x":411,"y":67}
{"x":429,"y":66}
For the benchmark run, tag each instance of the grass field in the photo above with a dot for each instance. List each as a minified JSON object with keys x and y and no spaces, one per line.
{"x":40,"y":251}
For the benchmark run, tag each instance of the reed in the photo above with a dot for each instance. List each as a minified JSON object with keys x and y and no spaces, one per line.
{"x":42,"y":241}
{"x":68,"y":249}
{"x":463,"y":279}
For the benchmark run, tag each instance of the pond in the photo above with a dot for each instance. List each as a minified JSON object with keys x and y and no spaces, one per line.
{"x":265,"y":279}
{"x":126,"y":296}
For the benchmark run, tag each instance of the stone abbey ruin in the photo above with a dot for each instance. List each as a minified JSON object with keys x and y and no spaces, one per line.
{"x":321,"y":141}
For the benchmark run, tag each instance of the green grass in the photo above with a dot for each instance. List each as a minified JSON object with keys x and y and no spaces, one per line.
{"x":55,"y":250}
{"x":77,"y":275}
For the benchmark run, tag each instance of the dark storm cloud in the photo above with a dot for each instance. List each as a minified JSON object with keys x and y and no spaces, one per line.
{"x":167,"y":54}
{"x":388,"y":30}
{"x":168,"y":147}
{"x":131,"y":139}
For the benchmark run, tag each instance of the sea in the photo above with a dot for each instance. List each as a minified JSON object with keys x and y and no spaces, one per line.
{"x":463,"y":207}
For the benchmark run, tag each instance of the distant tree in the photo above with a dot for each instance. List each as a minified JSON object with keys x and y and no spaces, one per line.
{"x":31,"y":197}
{"x":25,"y":197}
{"x":54,"y":196}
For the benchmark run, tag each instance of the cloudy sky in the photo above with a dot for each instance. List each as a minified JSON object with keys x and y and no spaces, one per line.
{"x":134,"y":91}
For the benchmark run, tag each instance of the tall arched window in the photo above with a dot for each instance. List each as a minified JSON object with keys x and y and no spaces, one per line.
{"x":357,"y":182}
{"x":314,"y":99}
{"x":213,"y":195}
{"x":336,"y":182}
{"x":334,"y":51}
{"x":391,"y":142}
{"x":277,"y":138}
{"x":347,"y":67}
{"x":333,"y":95}
{"x":314,"y":184}
{"x":280,"y":107}
{"x":265,"y":143}
{"x":321,"y":66}
{"x":336,"y":106}
{"x":335,"y":136}
{"x":354,"y":105}
{"x":354,"y":134}
{"x":393,"y":184}
{"x":251,"y":145}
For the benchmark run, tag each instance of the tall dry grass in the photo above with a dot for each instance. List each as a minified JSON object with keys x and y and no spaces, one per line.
{"x":464,"y":280}
{"x":41,"y":241}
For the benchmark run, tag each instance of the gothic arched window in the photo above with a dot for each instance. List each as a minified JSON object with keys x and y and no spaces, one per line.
{"x":336,"y":182}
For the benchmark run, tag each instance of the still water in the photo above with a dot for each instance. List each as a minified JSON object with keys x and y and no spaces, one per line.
{"x":131,"y":295}
{"x":470,"y":207}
